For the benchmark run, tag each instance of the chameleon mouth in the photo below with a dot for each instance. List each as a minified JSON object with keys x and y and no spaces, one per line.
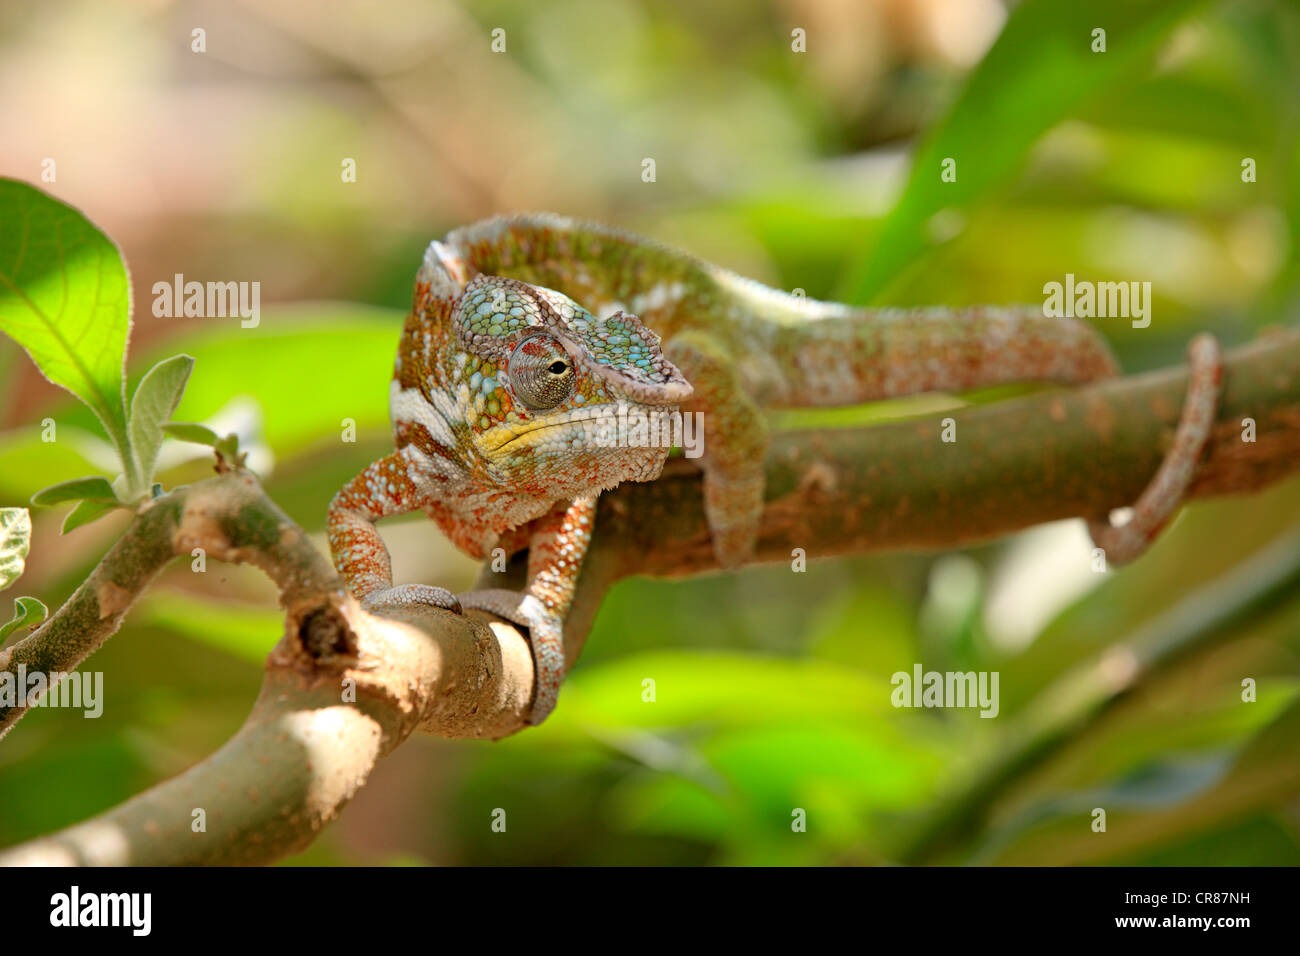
{"x":510,"y":434}
{"x":648,"y":432}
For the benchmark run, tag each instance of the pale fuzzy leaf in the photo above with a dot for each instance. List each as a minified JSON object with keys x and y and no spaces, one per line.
{"x":86,"y":512}
{"x":191,"y":432}
{"x":95,"y":488}
{"x":15,"y":539}
{"x":156,"y":398}
{"x":27,"y":611}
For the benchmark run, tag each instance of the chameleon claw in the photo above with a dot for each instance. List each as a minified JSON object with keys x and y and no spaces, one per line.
{"x":1164,"y":495}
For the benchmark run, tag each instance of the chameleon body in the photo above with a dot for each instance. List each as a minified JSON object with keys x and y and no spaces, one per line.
{"x":523,"y":330}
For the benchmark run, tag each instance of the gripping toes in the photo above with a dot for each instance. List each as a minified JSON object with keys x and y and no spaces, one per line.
{"x":1165,"y":493}
{"x":555,"y":554}
{"x":411,"y":595}
{"x":545,"y":636}
{"x":546,"y":632}
{"x":499,"y":601}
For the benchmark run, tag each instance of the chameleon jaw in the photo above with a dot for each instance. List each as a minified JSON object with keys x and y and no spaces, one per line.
{"x":493,"y":441}
{"x":588,"y":446}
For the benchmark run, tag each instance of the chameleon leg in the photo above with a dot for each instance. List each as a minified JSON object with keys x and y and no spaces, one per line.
{"x":1162,"y":497}
{"x":384,"y":488}
{"x":735,"y":442}
{"x":555,"y":554}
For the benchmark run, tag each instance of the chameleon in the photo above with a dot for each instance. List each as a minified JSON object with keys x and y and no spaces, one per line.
{"x":524,"y":331}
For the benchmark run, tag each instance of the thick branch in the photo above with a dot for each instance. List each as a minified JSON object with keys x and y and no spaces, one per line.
{"x":342,"y":688}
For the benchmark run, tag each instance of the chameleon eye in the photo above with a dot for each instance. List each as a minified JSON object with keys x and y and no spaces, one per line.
{"x":540,"y":372}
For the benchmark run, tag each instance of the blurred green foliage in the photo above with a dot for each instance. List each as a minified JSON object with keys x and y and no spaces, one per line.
{"x":772,"y":688}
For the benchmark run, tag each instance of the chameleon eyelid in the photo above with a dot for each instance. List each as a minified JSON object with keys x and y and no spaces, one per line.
{"x":532,"y":376}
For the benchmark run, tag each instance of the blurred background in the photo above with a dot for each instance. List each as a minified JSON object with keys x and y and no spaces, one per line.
{"x":790,"y":167}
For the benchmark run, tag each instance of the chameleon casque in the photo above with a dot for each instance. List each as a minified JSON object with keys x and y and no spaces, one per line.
{"x":523,"y":330}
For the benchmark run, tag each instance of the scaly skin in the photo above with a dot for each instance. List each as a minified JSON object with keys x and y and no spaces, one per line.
{"x":519,"y":337}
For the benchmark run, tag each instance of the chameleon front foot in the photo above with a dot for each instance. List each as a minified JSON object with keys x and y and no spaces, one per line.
{"x":736,"y":436}
{"x":1164,"y":495}
{"x":410,"y":595}
{"x":545,"y":636}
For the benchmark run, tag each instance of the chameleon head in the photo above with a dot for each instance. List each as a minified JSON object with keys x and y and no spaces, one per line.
{"x":560,"y":402}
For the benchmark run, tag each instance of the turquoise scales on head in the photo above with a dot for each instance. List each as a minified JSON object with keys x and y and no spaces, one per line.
{"x":524,"y":329}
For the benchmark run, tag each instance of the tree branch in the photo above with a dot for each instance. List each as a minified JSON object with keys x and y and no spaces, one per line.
{"x":342,"y":688}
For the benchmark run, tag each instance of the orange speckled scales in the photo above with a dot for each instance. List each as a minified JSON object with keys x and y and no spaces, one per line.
{"x":525,"y":330}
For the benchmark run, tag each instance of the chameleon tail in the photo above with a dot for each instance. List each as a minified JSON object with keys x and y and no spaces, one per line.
{"x":842,"y":356}
{"x":1162,"y":497}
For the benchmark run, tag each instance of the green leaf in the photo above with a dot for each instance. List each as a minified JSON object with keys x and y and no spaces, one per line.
{"x":65,"y":298}
{"x":93,"y":488}
{"x":227,"y":447}
{"x":1040,"y":70}
{"x":86,"y":512}
{"x":191,"y":432}
{"x":156,"y":398}
{"x":27,"y":611}
{"x":720,"y":687}
{"x":15,"y":539}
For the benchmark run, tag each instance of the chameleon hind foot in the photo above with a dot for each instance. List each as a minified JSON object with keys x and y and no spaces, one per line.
{"x":545,"y":636}
{"x":1164,"y":494}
